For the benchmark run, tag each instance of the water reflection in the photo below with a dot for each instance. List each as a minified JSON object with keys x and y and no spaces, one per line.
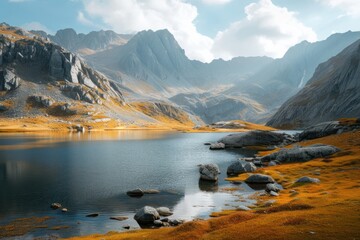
{"x":91,"y":172}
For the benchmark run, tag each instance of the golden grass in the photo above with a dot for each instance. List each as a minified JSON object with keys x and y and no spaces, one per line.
{"x":328,"y":210}
{"x":22,"y":226}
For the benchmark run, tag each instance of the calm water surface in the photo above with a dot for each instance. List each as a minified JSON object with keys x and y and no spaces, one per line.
{"x":90,"y":173}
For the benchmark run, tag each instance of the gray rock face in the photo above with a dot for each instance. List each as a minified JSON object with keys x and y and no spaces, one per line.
{"x":146,"y":215}
{"x":256,"y":138}
{"x":41,"y":101}
{"x":240,"y":166}
{"x":209,"y":172}
{"x":164,"y":211}
{"x":8,"y":80}
{"x":259,"y":178}
{"x":301,"y":154}
{"x":325,"y":129}
{"x":307,"y":180}
{"x":332,"y":93}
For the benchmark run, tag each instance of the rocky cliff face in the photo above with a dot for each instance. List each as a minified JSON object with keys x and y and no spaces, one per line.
{"x":333,"y":92}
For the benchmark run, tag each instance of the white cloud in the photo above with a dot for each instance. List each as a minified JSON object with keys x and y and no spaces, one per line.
{"x":267,"y":30}
{"x":136,"y":15}
{"x":350,"y":7}
{"x":36,"y":26}
{"x":216,"y":2}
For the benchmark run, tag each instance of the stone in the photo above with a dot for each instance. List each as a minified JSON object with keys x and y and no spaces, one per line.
{"x":240,"y":166}
{"x":274,"y":194}
{"x":55,"y":205}
{"x":271,"y":187}
{"x":256,"y":138}
{"x":126,"y":227}
{"x":243,"y":208}
{"x":164,"y":211}
{"x":207,"y":144}
{"x":175,"y":222}
{"x":146,"y":215}
{"x":269,"y":203}
{"x":259,"y":178}
{"x":158,"y":223}
{"x":92,"y":215}
{"x":209,"y":172}
{"x":306,"y":179}
{"x":135,"y":193}
{"x":151,"y":191}
{"x":64,"y":209}
{"x":120,"y":218}
{"x":301,"y":154}
{"x":41,"y":101}
{"x":272,"y":163}
{"x":217,"y":146}
{"x":8,"y":80}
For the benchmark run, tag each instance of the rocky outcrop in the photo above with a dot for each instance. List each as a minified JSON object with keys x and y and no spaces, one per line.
{"x":332,"y":93}
{"x":301,"y":154}
{"x":209,"y":172}
{"x":41,"y":101}
{"x":240,"y":166}
{"x":146,"y":215}
{"x":328,"y":128}
{"x":82,"y":82}
{"x":256,"y":138}
{"x":8,"y":80}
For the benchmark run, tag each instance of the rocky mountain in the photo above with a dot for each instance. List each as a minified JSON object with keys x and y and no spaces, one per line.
{"x":155,"y":60}
{"x":282,"y":78}
{"x":41,"y":79}
{"x":333,"y":92}
{"x":86,"y":43}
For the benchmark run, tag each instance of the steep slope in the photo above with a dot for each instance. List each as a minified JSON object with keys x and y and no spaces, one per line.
{"x":284,"y":77}
{"x":333,"y":92}
{"x":155,"y":60}
{"x":42,"y":82}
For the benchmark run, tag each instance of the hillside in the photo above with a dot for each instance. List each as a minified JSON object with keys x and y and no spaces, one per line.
{"x":332,"y":93}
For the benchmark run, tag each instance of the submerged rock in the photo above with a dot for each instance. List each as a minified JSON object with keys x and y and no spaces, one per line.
{"x":301,"y":154}
{"x":151,"y":191}
{"x":135,"y":193}
{"x":146,"y":215}
{"x":92,"y":215}
{"x":120,"y":218}
{"x":209,"y":172}
{"x":259,"y":178}
{"x":256,"y":138}
{"x":306,"y":179}
{"x":240,"y":166}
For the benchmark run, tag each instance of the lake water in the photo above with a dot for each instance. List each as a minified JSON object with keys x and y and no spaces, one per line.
{"x":90,"y":173}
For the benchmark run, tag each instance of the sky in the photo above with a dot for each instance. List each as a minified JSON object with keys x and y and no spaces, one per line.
{"x":206,"y":29}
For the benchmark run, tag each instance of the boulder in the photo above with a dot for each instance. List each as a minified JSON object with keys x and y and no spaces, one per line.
{"x":259,"y":178}
{"x":135,"y":193}
{"x":158,"y":223}
{"x":217,"y":146}
{"x":8,"y":80}
{"x":271,"y":187}
{"x":120,"y":218}
{"x":64,"y":209}
{"x":240,"y":166}
{"x":274,"y":194}
{"x":209,"y":172}
{"x":146,"y":215}
{"x":306,"y":179}
{"x":41,"y":101}
{"x":164,"y":211}
{"x":256,"y":138}
{"x":301,"y":154}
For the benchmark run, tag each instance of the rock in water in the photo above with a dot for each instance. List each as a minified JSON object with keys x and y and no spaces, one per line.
{"x":92,"y":215}
{"x":256,"y":138}
{"x":306,"y":179}
{"x":120,"y":218}
{"x":135,"y":193}
{"x":240,"y":166}
{"x":146,"y":215}
{"x":55,"y":205}
{"x":301,"y":154}
{"x":209,"y":172}
{"x":259,"y":178}
{"x":217,"y":146}
{"x":164,"y":211}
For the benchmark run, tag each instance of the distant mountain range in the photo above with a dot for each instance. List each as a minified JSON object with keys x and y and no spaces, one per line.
{"x":333,"y":92}
{"x":151,"y":66}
